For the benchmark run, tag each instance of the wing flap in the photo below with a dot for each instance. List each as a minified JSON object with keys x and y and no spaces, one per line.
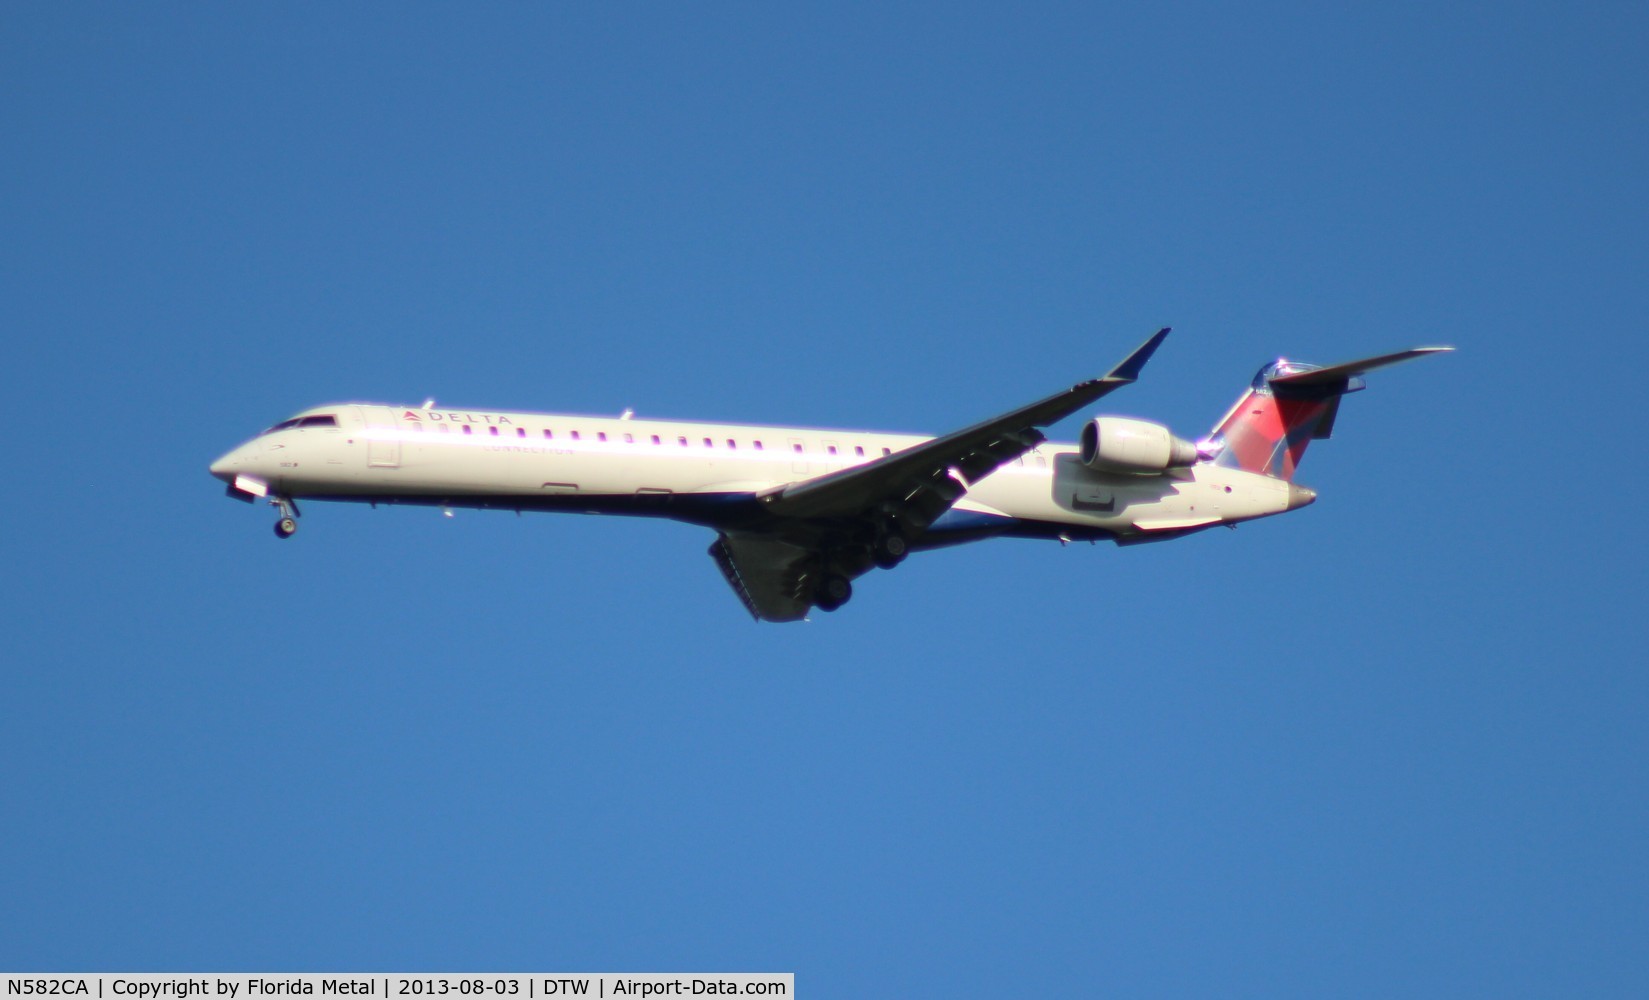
{"x":770,"y":575}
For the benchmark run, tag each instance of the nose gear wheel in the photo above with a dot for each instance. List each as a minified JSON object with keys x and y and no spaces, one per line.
{"x":287,"y":526}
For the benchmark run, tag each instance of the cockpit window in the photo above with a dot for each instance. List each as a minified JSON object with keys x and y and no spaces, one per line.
{"x":318,"y":420}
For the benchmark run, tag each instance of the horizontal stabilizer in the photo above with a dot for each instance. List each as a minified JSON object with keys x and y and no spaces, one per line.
{"x":1289,"y":405}
{"x":1351,"y":369}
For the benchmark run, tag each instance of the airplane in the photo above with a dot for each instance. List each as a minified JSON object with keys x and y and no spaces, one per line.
{"x":802,"y":512}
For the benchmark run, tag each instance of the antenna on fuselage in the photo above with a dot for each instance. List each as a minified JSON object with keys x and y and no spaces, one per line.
{"x":428,"y":403}
{"x":627,"y":414}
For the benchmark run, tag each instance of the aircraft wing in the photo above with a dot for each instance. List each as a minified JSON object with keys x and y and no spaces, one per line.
{"x":924,"y":481}
{"x":776,"y":565}
{"x":772,"y":576}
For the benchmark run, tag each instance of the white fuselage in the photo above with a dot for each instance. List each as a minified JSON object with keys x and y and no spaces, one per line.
{"x":529,"y":461}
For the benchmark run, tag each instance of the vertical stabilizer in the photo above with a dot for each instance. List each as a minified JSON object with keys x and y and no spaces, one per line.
{"x":1288,"y":406}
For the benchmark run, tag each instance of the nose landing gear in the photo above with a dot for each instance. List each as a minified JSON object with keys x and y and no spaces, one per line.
{"x":287,"y":526}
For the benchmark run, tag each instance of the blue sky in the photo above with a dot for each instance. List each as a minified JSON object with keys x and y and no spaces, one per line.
{"x":1393,"y":743}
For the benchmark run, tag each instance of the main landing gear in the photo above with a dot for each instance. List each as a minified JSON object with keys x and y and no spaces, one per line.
{"x":889,"y":549}
{"x":287,"y":526}
{"x":834,"y":591}
{"x":886,"y":549}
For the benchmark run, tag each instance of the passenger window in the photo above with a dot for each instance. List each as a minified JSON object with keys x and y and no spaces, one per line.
{"x":520,"y":432}
{"x":493,"y":431}
{"x":601,"y":435}
{"x":466,"y":428}
{"x":575,"y":435}
{"x":709,"y":443}
{"x":797,"y":448}
{"x":758,"y":446}
{"x":548,"y":434}
{"x":682,"y":441}
{"x":832,"y":449}
{"x":886,"y":452}
{"x":629,"y":439}
{"x":656,"y":440}
{"x":732,"y":444}
{"x":859,"y":450}
{"x":443,"y":428}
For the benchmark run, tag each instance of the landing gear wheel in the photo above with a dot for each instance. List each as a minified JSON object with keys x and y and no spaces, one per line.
{"x":834,"y":591}
{"x":288,"y":508}
{"x":890,"y":550}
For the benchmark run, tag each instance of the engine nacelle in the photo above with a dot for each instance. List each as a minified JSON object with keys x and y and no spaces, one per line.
{"x":1122,"y":444}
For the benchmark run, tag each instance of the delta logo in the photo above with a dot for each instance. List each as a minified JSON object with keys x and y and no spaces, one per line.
{"x":437,"y":416}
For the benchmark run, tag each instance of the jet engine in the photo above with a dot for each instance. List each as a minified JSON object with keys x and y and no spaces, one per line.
{"x":1122,"y":444}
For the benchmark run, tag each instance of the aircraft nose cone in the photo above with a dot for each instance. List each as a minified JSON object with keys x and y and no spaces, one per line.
{"x":1299,"y":496}
{"x":224,"y":468}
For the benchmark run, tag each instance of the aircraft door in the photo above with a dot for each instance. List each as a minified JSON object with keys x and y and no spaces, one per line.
{"x":383,"y":438}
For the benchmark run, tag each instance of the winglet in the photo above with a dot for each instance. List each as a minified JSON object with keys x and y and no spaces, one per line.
{"x":1130,"y":367}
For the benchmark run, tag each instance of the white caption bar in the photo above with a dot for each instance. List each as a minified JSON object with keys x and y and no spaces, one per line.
{"x":394,"y":985}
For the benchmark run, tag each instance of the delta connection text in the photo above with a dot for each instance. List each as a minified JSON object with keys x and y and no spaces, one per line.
{"x":514,"y":986}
